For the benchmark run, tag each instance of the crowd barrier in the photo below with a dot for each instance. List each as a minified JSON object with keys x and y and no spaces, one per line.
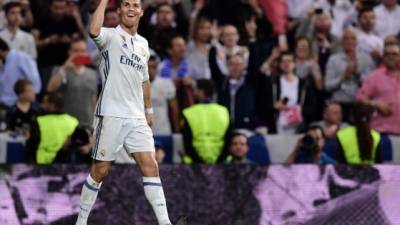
{"x":264,"y":149}
{"x":207,"y":195}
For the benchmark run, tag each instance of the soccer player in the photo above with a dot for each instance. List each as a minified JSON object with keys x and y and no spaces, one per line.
{"x":124,"y":112}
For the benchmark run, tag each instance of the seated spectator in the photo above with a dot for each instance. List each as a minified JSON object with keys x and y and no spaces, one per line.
{"x":206,"y":127}
{"x":111,"y":18}
{"x":381,"y":90}
{"x":387,"y":15}
{"x":317,"y":27}
{"x":15,"y":37}
{"x":332,"y":119}
{"x":238,"y":149}
{"x":345,"y":71}
{"x":51,"y":130}
{"x":15,"y":66}
{"x":368,"y":42}
{"x":77,"y":148}
{"x":358,"y":143}
{"x":77,"y":82}
{"x":175,"y":67}
{"x":198,"y":50}
{"x":236,"y":92}
{"x":165,"y":105}
{"x":22,"y":115}
{"x":309,"y":148}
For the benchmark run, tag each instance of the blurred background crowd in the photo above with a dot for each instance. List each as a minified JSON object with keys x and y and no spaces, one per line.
{"x":219,"y":70}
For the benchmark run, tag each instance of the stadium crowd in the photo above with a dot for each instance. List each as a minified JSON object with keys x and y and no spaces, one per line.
{"x":272,"y":66}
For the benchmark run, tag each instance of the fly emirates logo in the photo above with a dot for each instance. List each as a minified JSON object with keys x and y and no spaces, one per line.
{"x":135,"y":62}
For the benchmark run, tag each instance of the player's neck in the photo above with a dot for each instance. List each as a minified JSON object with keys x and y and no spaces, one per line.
{"x":132,"y":30}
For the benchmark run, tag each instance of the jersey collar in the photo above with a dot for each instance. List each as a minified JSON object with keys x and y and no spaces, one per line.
{"x":126,"y":34}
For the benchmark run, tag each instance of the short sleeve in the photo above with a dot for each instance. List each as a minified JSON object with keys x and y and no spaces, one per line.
{"x":103,"y":39}
{"x":146,"y":66}
{"x":171,"y":92}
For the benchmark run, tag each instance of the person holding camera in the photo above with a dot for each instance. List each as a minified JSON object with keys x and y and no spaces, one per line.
{"x":358,"y":143}
{"x":77,"y":82}
{"x":77,"y":148}
{"x":309,"y":148}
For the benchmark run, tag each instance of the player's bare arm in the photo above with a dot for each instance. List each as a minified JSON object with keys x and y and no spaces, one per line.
{"x":98,"y":19}
{"x":147,"y":102}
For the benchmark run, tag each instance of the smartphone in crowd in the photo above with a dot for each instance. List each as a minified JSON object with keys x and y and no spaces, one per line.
{"x":82,"y":60}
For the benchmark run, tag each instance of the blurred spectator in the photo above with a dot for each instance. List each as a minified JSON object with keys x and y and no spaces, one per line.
{"x":198,"y":50}
{"x":276,"y":13}
{"x":111,"y":18}
{"x":22,"y":115}
{"x":206,"y":127}
{"x":163,"y":30}
{"x":233,"y":11}
{"x":345,"y":72}
{"x":368,"y":42}
{"x":229,"y":37}
{"x":332,"y":119}
{"x":238,"y":149}
{"x":387,"y":16}
{"x":2,"y":16}
{"x":288,"y":99}
{"x":165,"y":105}
{"x":51,"y":130}
{"x":358,"y":143}
{"x":317,"y":27}
{"x":77,"y":148}
{"x":381,"y":90}
{"x":27,"y":15}
{"x":53,"y":32}
{"x":73,"y":11}
{"x":175,"y":67}
{"x":309,"y":148}
{"x":299,"y":9}
{"x":160,"y":153}
{"x":13,"y":35}
{"x":339,"y":10}
{"x":77,"y":82}
{"x":236,"y":92}
{"x":15,"y":65}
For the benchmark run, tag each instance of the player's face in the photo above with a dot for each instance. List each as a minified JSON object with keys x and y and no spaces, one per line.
{"x":130,"y":12}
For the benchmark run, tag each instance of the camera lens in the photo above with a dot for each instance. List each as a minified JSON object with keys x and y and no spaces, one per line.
{"x":308,"y":141}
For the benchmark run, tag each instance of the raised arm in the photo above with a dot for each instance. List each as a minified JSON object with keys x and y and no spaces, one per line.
{"x":98,"y":19}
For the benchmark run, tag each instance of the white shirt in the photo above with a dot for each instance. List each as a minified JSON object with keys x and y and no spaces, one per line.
{"x":387,"y":22}
{"x":22,"y":41}
{"x":290,"y":89}
{"x":124,"y":67}
{"x":298,"y":9}
{"x":368,"y":42}
{"x":162,"y":91}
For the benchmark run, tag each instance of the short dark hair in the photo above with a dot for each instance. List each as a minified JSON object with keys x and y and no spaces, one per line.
{"x":52,"y":1}
{"x":237,"y":134}
{"x":172,"y":38}
{"x":111,"y":9}
{"x":57,"y":99}
{"x":8,"y":6}
{"x":365,"y":10}
{"x":164,"y":4}
{"x":20,"y":86}
{"x":207,"y":86}
{"x":285,"y":53}
{"x":3,"y":45}
{"x":119,"y":2}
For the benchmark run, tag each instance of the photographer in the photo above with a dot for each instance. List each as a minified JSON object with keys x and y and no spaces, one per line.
{"x":78,"y":147}
{"x":309,"y":148}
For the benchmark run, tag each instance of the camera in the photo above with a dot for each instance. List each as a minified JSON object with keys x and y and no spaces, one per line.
{"x":80,"y":137}
{"x":308,"y":142}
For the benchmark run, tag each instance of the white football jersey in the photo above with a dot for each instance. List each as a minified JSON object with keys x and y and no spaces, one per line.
{"x":124,"y":67}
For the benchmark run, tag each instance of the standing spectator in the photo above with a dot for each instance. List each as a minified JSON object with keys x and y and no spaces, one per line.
{"x":381,"y":90}
{"x":238,"y":149}
{"x":15,"y":66}
{"x":198,"y":50}
{"x":165,"y":105}
{"x":358,"y":143}
{"x":368,"y":42}
{"x":332,"y":119}
{"x":175,"y":67}
{"x":236,"y":93}
{"x":77,"y":82}
{"x":13,"y":35}
{"x":345,"y":72}
{"x":53,"y":33}
{"x":50,"y":131}
{"x":387,"y":17}
{"x":27,"y":15}
{"x":206,"y":127}
{"x":23,"y":114}
{"x":317,"y":27}
{"x":111,"y":18}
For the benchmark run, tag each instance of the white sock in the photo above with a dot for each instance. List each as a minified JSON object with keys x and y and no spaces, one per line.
{"x":88,"y":198}
{"x":155,"y":195}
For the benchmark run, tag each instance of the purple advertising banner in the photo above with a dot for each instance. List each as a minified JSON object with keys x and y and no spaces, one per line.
{"x":207,"y":195}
